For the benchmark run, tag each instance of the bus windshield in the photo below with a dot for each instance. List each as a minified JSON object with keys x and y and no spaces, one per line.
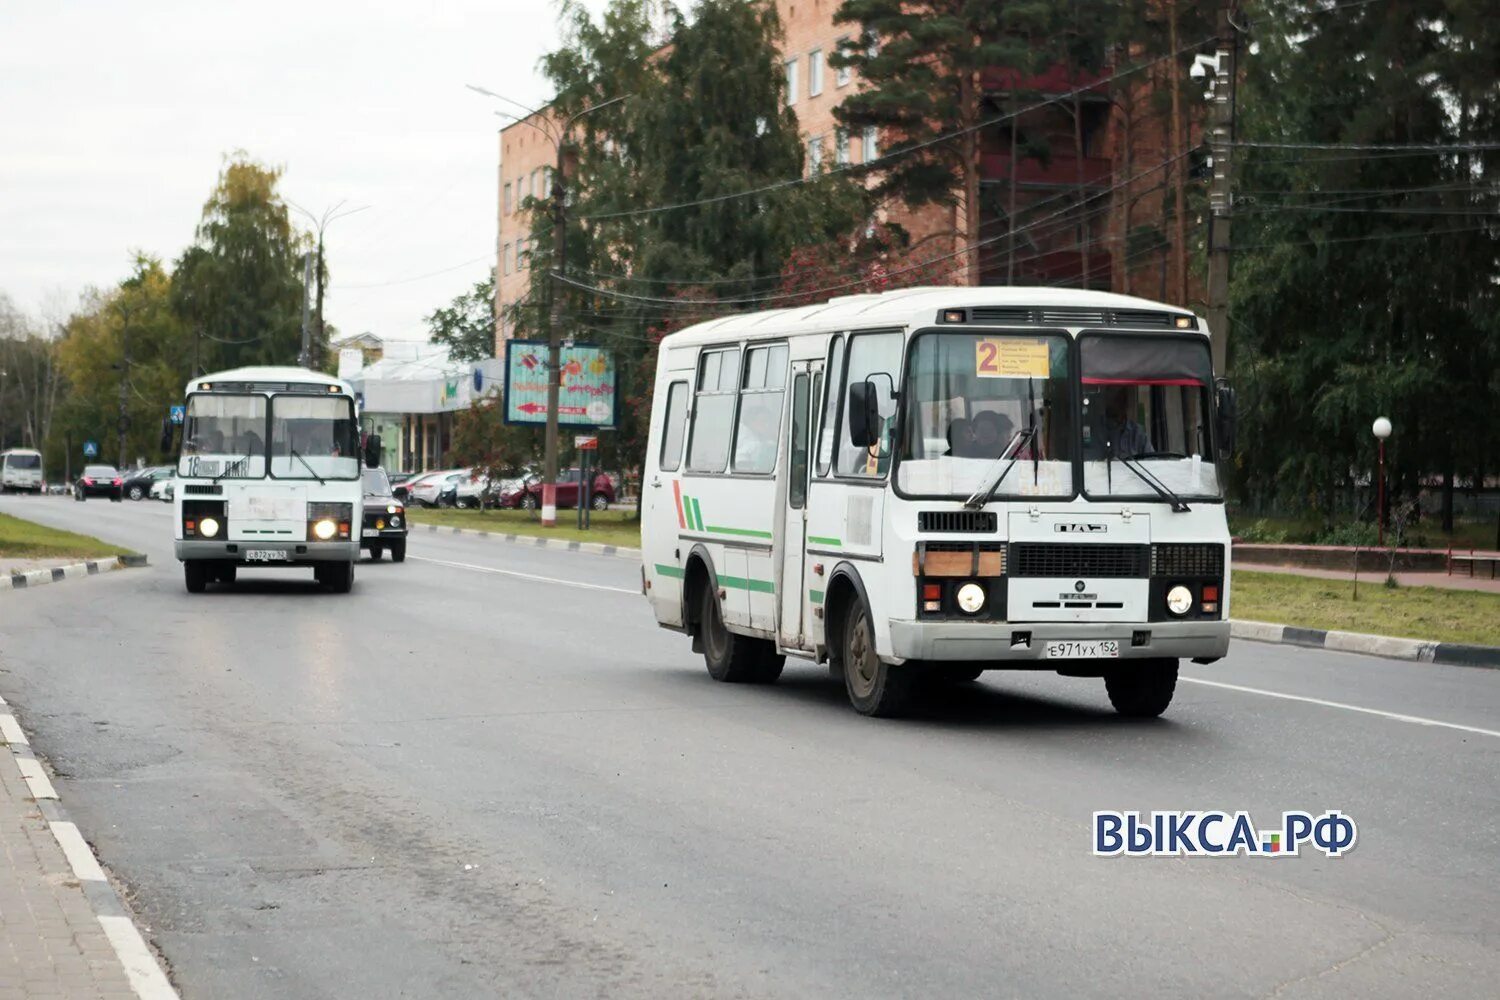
{"x":223,"y":436}
{"x":314,"y":437}
{"x":1146,"y":414}
{"x":973,"y":398}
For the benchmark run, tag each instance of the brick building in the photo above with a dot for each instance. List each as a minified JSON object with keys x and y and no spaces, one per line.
{"x":1117,"y":239}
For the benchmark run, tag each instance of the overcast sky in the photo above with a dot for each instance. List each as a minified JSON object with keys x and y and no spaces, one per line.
{"x":115,"y":117}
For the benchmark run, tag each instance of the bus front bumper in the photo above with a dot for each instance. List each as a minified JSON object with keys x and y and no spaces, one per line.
{"x":248,"y":553}
{"x":1002,"y":641}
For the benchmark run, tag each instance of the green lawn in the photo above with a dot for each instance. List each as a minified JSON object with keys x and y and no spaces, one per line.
{"x":27,"y":540}
{"x":1312,"y":531}
{"x":1430,"y":613}
{"x":610,"y":527}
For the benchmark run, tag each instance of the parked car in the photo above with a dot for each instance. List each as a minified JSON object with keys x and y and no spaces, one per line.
{"x":137,"y":485}
{"x":479,"y":489}
{"x":431,"y":487}
{"x":164,"y":489}
{"x":385,"y":518}
{"x":527,"y":494}
{"x":400,"y":488}
{"x":99,"y":481}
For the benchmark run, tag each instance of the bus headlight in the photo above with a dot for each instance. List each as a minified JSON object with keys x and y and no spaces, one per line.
{"x":208,"y":527}
{"x":970,"y":598}
{"x":324,"y":529}
{"x":1179,"y":600}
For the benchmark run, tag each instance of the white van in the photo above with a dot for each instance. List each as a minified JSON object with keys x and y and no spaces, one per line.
{"x":21,"y":470}
{"x":930,"y":483}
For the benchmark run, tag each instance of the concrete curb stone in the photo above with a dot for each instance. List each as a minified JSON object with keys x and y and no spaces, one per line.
{"x":72,"y":571}
{"x":592,"y":548}
{"x":1391,"y":647}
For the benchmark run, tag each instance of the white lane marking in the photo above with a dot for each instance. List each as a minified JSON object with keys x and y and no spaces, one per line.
{"x":1415,"y":719}
{"x":527,"y":576}
{"x":36,"y":778}
{"x":10,"y":731}
{"x":146,"y":977}
{"x":76,"y":850}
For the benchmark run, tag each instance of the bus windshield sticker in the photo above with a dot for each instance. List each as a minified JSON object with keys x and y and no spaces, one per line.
{"x":1011,"y":357}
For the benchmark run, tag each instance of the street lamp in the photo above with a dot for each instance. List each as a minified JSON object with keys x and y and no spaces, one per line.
{"x":1382,"y":430}
{"x":559,"y":139}
{"x":320,"y":223}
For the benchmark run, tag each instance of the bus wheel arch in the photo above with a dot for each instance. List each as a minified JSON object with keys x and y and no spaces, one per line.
{"x":882,"y":689}
{"x":730,"y":657}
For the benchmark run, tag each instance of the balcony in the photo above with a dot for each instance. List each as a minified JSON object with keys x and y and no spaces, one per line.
{"x":1058,"y":171}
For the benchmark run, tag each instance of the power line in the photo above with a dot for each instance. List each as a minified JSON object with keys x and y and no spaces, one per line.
{"x":865,"y":167}
{"x":1435,"y":147}
{"x":422,"y":277}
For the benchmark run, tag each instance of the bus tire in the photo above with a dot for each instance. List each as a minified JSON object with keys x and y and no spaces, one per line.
{"x":338,"y":576}
{"x":732,"y":658}
{"x":876,"y":688}
{"x":195,"y":575}
{"x":1142,"y":689}
{"x":226,"y":572}
{"x":398,"y":551}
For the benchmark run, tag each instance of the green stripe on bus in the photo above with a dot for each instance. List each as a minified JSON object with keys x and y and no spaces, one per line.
{"x":673,"y":571}
{"x":820,"y":540}
{"x":755,"y":586}
{"x":697,"y":515}
{"x":816,"y":596}
{"x":747,"y":532}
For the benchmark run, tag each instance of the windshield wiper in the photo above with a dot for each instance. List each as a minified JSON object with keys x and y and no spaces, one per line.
{"x":309,"y":468}
{"x":234,"y":465}
{"x":1162,"y":490}
{"x":1012,"y":451}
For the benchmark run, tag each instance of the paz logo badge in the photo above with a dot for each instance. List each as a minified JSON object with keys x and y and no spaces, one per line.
{"x":1079,"y":586}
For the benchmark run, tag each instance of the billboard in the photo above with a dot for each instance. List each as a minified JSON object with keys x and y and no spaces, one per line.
{"x":586,"y":395}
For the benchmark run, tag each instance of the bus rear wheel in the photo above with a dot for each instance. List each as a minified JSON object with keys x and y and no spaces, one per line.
{"x":731,"y":658}
{"x":1142,"y":689}
{"x":876,"y":688}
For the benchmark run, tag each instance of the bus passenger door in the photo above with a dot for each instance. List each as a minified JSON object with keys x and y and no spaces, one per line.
{"x":792,"y":591}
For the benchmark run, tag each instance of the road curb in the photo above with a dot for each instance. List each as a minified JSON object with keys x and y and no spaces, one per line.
{"x":1390,"y":647}
{"x":537,"y":541}
{"x":72,"y":571}
{"x":142,"y":968}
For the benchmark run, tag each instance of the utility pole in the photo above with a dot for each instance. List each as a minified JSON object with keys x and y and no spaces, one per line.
{"x":3,"y":374}
{"x":319,"y":343}
{"x":123,"y":423}
{"x":1221,"y":192}
{"x":305,"y":355}
{"x":554,"y":337}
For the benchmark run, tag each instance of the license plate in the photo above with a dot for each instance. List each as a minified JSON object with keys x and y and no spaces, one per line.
{"x":1069,"y":649}
{"x":267,"y":555}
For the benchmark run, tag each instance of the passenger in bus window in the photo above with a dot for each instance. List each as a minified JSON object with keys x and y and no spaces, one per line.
{"x":960,"y":438}
{"x":1125,"y":436}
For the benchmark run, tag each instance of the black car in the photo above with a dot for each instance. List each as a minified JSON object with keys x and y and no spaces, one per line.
{"x":385,"y":518}
{"x":99,"y":481}
{"x":137,"y":485}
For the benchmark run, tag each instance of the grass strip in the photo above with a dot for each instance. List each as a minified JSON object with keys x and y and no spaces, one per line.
{"x":22,"y":539}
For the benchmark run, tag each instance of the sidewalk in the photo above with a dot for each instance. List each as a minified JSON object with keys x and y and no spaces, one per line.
{"x":1375,"y":579}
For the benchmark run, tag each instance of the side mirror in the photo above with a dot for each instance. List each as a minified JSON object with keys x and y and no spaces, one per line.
{"x":1224,"y":428}
{"x":864,"y":414}
{"x":166,"y":436}
{"x":372,"y":451}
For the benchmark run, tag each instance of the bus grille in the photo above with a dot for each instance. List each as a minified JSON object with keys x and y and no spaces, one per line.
{"x":207,"y":489}
{"x":1048,"y":559}
{"x":1187,"y":559}
{"x":964,"y":521}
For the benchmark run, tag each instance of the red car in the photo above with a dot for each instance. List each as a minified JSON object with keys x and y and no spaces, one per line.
{"x":528,"y":494}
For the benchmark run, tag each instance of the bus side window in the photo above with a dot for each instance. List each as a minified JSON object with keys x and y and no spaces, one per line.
{"x":674,"y":427}
{"x":876,"y":357}
{"x":835,"y":382}
{"x":713,"y":413}
{"x":797,"y":485}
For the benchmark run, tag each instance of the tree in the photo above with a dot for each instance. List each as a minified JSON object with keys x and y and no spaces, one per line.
{"x":239,"y":286}
{"x":467,"y":325}
{"x":483,"y":441}
{"x":29,"y":379}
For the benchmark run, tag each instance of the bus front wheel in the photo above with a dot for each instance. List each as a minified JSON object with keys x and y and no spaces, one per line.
{"x":1142,"y":689}
{"x":336,"y":576}
{"x":731,"y":658}
{"x":195,"y":575}
{"x":875,"y":687}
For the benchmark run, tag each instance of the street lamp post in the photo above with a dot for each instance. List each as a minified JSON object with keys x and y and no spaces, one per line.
{"x":1382,"y":430}
{"x":312,"y":351}
{"x":559,"y":139}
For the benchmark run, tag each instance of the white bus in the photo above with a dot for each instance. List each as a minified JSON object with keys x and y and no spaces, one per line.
{"x":269,"y":475}
{"x":929,"y":483}
{"x":20,"y":469}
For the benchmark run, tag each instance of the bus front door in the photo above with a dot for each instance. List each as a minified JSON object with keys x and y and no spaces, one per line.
{"x":793,"y":589}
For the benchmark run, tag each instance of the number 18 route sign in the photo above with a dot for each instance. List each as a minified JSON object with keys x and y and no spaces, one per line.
{"x":586,"y":397}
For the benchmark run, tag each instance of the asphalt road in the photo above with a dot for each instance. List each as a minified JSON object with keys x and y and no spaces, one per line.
{"x":487,"y":773}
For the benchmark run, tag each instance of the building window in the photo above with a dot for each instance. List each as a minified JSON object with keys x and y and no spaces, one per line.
{"x":536,"y":183}
{"x":791,"y":82}
{"x":841,"y":146}
{"x":815,"y":154}
{"x":872,"y":45}
{"x":843,"y":74}
{"x":505,"y":259}
{"x":871,"y":151}
{"x":520,"y":254}
{"x":815,"y":73}
{"x":508,"y":206}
